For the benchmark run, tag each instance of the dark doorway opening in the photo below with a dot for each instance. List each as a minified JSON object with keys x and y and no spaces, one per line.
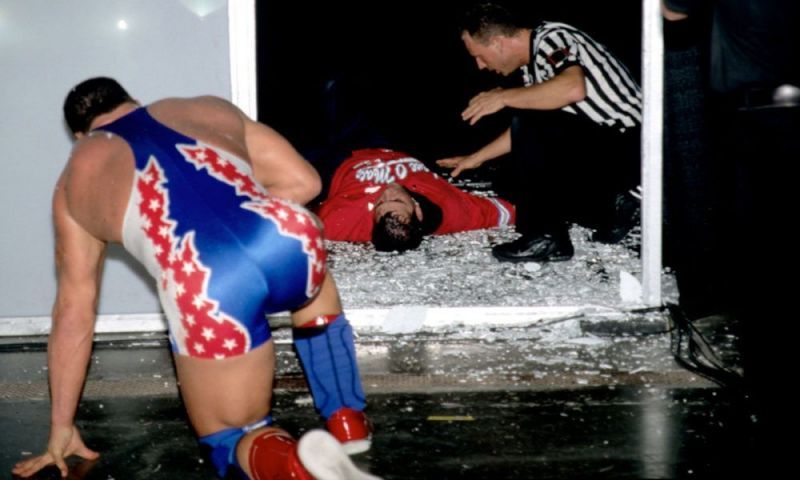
{"x":402,"y":64}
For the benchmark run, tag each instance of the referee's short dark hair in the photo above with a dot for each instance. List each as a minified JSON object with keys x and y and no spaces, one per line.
{"x":90,"y":99}
{"x":485,"y":19}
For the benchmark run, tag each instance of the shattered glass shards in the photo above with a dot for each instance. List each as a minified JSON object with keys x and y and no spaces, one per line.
{"x":459,"y":270}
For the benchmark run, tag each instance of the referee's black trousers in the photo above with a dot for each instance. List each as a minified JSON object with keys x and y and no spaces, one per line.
{"x":565,"y":168}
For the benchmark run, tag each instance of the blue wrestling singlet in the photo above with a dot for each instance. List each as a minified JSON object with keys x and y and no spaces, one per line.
{"x":223,"y":251}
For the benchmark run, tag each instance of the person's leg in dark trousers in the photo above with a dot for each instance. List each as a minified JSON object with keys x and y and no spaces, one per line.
{"x":693,"y":179}
{"x":766,"y":150}
{"x":612,"y":207}
{"x":562,"y":167}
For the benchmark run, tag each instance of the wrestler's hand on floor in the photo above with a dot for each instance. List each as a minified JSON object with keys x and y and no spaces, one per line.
{"x":64,"y":442}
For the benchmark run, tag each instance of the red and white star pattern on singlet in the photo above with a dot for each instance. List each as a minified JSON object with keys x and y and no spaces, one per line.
{"x":290,"y":220}
{"x":208,"y":332}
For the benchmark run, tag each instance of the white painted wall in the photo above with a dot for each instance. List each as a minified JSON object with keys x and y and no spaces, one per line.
{"x":170,"y":48}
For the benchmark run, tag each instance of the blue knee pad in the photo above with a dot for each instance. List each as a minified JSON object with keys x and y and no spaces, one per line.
{"x":223,"y":446}
{"x":328,"y":357}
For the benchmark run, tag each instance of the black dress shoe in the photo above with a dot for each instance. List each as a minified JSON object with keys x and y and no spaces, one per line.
{"x":627,"y":214}
{"x":535,"y":248}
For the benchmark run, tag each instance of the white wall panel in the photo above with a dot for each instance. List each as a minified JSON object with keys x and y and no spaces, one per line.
{"x":155,"y":48}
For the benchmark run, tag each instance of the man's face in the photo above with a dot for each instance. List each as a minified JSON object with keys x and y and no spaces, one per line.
{"x":396,"y":200}
{"x":490,"y":55}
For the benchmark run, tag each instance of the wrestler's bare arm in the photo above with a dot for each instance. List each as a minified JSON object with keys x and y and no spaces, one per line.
{"x":79,"y":258}
{"x":278,"y":166}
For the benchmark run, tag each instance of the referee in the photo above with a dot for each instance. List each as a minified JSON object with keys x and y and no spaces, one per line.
{"x":574,"y":134}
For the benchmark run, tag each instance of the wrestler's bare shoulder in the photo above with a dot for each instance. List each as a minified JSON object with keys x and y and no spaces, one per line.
{"x":208,"y":118}
{"x":100,"y":166}
{"x":95,"y":185}
{"x":206,"y":107}
{"x":212,"y":120}
{"x":96,"y":148}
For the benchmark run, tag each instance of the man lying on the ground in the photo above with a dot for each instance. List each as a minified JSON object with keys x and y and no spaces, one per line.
{"x":393,"y":200}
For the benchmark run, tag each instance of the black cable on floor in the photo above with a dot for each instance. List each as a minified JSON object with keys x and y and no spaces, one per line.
{"x":693,"y":352}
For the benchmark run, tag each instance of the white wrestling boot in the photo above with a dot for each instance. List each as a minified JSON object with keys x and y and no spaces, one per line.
{"x":324,"y":458}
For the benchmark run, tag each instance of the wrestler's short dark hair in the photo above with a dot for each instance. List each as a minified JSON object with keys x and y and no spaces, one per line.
{"x":390,"y":234}
{"x":91,"y":98}
{"x":485,"y":19}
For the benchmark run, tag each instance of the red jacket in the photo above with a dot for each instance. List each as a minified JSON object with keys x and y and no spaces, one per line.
{"x":359,"y":181}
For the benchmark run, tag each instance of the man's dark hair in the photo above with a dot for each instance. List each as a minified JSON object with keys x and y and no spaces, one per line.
{"x":389,"y":234}
{"x":484,"y":20}
{"x":91,"y":98}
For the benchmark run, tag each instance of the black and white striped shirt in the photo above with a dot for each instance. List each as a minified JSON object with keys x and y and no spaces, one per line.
{"x":613,"y":98}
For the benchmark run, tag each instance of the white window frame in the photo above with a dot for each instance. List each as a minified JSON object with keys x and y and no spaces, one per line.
{"x":243,"y":93}
{"x":242,"y":44}
{"x":652,"y":151}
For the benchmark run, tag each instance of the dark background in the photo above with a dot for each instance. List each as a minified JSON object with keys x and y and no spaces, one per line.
{"x":403,"y":64}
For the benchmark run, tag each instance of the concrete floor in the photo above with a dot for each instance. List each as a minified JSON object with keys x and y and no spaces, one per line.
{"x":607,"y":401}
{"x":627,"y":432}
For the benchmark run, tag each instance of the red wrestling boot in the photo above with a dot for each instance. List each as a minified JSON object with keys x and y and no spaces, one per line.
{"x":273,"y":456}
{"x":352,"y":429}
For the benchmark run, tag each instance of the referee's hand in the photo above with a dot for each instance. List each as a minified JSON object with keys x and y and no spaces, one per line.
{"x":459,"y":163}
{"x":482,"y":104}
